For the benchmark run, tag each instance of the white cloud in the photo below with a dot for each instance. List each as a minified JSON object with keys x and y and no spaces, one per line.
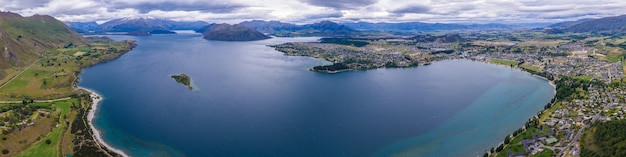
{"x":234,"y":11}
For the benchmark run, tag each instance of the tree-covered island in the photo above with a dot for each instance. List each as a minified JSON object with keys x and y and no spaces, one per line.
{"x":183,"y":79}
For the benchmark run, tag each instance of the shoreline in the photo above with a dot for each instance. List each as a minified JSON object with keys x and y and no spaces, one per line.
{"x":538,"y":113}
{"x":551,"y":82}
{"x":96,"y":98}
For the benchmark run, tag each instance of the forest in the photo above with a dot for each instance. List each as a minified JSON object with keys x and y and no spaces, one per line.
{"x":605,"y":139}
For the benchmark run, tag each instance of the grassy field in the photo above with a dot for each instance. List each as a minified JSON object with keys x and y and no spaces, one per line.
{"x":56,"y":73}
{"x":516,"y":143}
{"x":47,"y":127}
{"x":504,"y":62}
{"x":547,"y":113}
{"x":585,"y":77}
{"x":531,"y":67}
{"x":545,"y":153}
{"x":41,"y":148}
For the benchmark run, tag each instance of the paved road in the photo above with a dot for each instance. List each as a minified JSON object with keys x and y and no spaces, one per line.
{"x":19,"y":102}
{"x":580,"y":132}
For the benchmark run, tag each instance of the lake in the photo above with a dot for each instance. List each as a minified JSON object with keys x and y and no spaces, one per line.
{"x":250,"y":100}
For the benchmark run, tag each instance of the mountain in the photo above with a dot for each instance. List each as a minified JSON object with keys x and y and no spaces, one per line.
{"x":566,"y":24}
{"x":184,"y":25}
{"x":83,"y":27}
{"x":276,"y":28}
{"x":137,"y":26}
{"x":421,"y":26}
{"x":607,"y":24}
{"x":328,"y":28}
{"x":226,"y":32}
{"x":24,"y":39}
{"x":269,"y":26}
{"x":134,"y":25}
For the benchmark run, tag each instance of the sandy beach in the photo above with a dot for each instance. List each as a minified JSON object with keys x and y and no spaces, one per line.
{"x":96,"y":98}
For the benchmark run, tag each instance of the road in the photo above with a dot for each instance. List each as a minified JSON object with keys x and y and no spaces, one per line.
{"x":52,"y":100}
{"x":580,"y":132}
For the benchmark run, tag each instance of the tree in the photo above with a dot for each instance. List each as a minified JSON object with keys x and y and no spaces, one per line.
{"x":48,"y":142}
{"x":500,"y":147}
{"x":5,"y":151}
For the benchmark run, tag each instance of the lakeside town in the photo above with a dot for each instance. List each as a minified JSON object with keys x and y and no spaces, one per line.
{"x":555,"y":131}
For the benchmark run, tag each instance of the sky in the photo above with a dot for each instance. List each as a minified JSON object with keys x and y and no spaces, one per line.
{"x":309,"y":11}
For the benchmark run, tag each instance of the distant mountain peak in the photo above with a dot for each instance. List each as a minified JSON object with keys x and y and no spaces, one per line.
{"x":138,"y":24}
{"x":322,"y":28}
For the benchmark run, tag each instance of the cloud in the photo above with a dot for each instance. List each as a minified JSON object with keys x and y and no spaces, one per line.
{"x":22,"y":4}
{"x":65,"y":7}
{"x":340,"y":4}
{"x":412,"y":9}
{"x":202,"y":6}
{"x":308,"y":11}
{"x":324,"y":15}
{"x":547,"y":8}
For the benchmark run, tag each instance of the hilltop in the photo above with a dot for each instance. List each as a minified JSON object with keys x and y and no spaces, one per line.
{"x":25,"y":39}
{"x":226,"y":32}
{"x":83,"y":27}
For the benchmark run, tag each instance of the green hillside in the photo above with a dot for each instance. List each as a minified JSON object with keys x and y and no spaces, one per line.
{"x":43,"y":112}
{"x":23,"y":40}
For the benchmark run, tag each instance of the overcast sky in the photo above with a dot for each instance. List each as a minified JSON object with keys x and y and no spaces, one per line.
{"x":307,"y":11}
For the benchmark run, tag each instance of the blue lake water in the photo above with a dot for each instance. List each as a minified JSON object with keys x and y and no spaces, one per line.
{"x":249,"y":100}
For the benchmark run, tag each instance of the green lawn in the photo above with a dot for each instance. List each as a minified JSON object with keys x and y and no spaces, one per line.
{"x":545,"y":153}
{"x":613,"y":59}
{"x":586,"y":77}
{"x":531,"y":67}
{"x":515,"y":144}
{"x":53,"y":76}
{"x":16,"y":84}
{"x":40,"y":148}
{"x":504,"y":62}
{"x":547,"y":113}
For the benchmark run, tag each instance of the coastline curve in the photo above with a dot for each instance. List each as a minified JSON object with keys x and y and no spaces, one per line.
{"x":95,"y":99}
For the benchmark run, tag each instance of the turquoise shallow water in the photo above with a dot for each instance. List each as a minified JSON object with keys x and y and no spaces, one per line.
{"x":250,"y":100}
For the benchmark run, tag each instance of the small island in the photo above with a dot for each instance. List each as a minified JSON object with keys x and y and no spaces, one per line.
{"x":183,"y":79}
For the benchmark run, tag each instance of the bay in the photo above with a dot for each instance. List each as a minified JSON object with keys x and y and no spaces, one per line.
{"x":250,"y":100}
